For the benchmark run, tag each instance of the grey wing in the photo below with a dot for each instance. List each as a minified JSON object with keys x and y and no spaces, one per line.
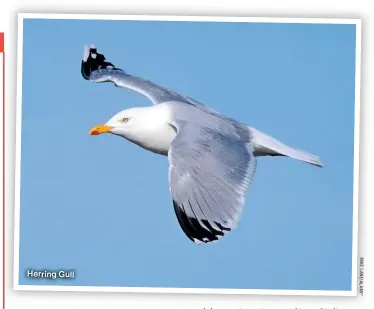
{"x":209,"y":174}
{"x":96,"y":69}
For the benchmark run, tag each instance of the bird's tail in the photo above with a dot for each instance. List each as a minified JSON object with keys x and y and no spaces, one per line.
{"x":265,"y":145}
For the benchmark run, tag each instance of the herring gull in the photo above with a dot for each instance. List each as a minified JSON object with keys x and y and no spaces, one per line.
{"x":212,"y":158}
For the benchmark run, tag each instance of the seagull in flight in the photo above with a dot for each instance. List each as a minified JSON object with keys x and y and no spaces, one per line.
{"x":212,"y":158}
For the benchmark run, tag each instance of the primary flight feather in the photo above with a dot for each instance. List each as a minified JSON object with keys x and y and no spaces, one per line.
{"x":212,"y":158}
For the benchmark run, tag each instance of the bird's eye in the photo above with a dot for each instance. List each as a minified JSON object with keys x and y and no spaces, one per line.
{"x":124,"y":120}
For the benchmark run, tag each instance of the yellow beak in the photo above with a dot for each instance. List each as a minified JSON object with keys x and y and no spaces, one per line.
{"x":102,"y":128}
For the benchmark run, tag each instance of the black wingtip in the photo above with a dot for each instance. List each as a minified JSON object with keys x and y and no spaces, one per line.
{"x":193,"y":229}
{"x":92,"y":61}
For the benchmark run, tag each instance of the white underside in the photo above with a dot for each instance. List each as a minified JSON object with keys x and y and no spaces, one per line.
{"x":158,"y":142}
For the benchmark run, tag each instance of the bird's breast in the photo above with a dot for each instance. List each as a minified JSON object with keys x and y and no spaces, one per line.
{"x":157,"y":139}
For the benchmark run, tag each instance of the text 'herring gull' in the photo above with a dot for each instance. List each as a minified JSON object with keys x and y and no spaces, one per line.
{"x":212,"y":158}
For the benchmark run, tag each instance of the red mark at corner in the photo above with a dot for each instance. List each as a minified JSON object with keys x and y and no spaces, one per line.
{"x":1,"y":42}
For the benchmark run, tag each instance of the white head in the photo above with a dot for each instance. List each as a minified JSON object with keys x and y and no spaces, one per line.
{"x":121,"y":123}
{"x":147,"y":127}
{"x":133,"y":122}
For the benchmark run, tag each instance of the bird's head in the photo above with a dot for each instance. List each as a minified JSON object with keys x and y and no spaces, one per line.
{"x":120,"y":124}
{"x":131,"y":122}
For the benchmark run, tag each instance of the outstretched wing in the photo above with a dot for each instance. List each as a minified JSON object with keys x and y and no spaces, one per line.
{"x":210,"y":171}
{"x":96,"y":69}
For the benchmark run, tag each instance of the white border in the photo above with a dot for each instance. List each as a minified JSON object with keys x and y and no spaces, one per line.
{"x":353,"y":292}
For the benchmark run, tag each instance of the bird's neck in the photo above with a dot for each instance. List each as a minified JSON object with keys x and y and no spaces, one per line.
{"x":154,"y":133}
{"x":157,"y":140}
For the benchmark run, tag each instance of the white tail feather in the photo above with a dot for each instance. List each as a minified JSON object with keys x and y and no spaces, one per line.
{"x":265,"y":145}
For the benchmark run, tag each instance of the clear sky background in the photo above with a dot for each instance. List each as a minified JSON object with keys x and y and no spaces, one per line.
{"x":102,"y":205}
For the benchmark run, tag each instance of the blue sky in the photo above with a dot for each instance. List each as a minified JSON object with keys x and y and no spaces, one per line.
{"x":102,"y":206}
